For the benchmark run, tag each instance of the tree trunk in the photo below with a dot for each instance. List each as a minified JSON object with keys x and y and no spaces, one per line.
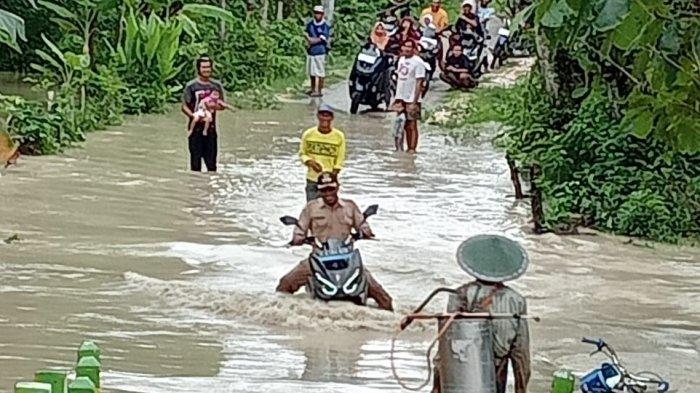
{"x":515,"y":178}
{"x":546,"y":67}
{"x":280,"y":10}
{"x":264,"y":10}
{"x":329,"y":6}
{"x":222,"y":31}
{"x":537,"y":210}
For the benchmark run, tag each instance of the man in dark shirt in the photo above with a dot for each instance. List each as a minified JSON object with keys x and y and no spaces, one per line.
{"x":456,"y":71}
{"x":201,"y":146}
{"x":468,"y":21}
{"x":318,"y":38}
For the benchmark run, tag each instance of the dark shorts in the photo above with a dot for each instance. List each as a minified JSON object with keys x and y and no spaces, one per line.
{"x":311,"y":190}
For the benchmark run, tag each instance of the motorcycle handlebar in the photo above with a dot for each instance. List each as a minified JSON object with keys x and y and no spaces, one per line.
{"x":598,"y":343}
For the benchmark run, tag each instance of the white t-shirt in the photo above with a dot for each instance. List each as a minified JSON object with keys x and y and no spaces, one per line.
{"x":408,"y":71}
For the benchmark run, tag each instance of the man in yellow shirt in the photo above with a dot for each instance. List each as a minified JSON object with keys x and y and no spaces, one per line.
{"x":440,"y":17}
{"x":322,"y":149}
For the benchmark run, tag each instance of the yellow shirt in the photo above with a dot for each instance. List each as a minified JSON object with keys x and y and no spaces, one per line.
{"x":440,"y":18}
{"x":326,"y":149}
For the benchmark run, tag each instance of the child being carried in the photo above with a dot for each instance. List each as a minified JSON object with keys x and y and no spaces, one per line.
{"x":205,"y":111}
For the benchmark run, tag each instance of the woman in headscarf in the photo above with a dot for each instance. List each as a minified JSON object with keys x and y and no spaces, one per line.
{"x":379,"y":36}
{"x":407,"y":31}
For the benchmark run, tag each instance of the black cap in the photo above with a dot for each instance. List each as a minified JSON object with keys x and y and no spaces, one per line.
{"x":327,"y":180}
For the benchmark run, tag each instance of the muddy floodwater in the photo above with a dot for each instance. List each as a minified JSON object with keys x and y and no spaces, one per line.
{"x":173,"y":273}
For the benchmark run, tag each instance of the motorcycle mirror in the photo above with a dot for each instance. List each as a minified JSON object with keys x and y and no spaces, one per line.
{"x":371,"y":210}
{"x":289,"y":220}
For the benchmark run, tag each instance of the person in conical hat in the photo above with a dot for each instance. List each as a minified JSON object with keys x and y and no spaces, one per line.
{"x":493,"y":260}
{"x":9,"y":150}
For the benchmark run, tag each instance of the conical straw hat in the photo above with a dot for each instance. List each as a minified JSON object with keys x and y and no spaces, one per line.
{"x":492,"y":258}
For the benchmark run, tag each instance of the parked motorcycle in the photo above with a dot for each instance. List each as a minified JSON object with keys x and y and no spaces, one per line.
{"x":609,"y":377}
{"x":370,"y":81}
{"x":337,"y":270}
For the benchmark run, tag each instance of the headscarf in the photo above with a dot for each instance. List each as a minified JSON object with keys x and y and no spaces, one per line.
{"x":380,"y":40}
{"x":413,"y":34}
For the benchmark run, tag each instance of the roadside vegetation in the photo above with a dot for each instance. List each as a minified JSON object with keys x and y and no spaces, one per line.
{"x":99,"y":60}
{"x":608,"y":121}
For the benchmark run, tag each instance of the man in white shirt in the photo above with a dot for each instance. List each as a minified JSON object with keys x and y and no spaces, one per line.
{"x":409,"y":88}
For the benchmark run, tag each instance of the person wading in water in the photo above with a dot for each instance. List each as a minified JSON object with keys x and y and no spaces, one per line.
{"x":202,"y":145}
{"x":322,"y":148}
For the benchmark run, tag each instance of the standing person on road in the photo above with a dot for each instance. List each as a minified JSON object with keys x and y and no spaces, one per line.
{"x":440,"y":17}
{"x":202,"y":143}
{"x":409,"y":89}
{"x":492,"y":260}
{"x":322,"y":149}
{"x":318,"y":38}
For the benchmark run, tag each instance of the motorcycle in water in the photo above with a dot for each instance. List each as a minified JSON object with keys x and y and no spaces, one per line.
{"x":609,"y":377}
{"x":337,"y":272}
{"x":370,"y":81}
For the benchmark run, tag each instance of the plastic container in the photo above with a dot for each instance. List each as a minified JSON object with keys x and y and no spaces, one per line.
{"x":89,"y":367}
{"x":82,"y":385}
{"x":563,"y":381}
{"x":56,"y":378}
{"x":32,"y":387}
{"x":89,"y":348}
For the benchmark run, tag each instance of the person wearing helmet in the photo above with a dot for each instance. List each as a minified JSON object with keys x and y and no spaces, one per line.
{"x":493,"y":260}
{"x":330,"y":217}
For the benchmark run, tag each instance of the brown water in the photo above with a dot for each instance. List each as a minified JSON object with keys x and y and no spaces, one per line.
{"x":173,"y":273}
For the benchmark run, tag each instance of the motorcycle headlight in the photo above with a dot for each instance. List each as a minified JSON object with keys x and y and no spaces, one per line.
{"x":350,"y":285}
{"x":328,"y":288}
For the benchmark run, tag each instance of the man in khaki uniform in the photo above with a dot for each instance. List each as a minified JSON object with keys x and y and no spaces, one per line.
{"x":330,"y":217}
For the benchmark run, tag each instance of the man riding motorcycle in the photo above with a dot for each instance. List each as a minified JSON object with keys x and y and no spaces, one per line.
{"x":330,"y":217}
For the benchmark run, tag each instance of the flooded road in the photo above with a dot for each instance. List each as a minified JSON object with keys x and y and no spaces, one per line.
{"x":173,"y":273}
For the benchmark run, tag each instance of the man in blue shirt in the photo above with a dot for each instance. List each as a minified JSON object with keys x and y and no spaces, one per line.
{"x":318,"y":33}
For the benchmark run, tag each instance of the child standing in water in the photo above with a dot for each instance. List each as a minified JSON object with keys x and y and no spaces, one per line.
{"x":206,"y":107}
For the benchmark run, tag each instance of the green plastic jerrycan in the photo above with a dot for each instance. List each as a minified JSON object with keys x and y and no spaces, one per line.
{"x":89,"y":348}
{"x":56,"y":378}
{"x":82,"y":385}
{"x":32,"y":387}
{"x":563,"y":382}
{"x":89,"y":367}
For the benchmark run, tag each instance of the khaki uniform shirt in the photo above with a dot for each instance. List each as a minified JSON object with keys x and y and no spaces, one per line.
{"x":326,"y":222}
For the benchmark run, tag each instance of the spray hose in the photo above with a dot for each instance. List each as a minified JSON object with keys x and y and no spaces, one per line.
{"x":449,"y":318}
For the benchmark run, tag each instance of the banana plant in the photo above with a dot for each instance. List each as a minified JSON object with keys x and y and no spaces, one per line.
{"x":82,"y":22}
{"x":12,"y":28}
{"x":151,"y":42}
{"x":70,"y":73}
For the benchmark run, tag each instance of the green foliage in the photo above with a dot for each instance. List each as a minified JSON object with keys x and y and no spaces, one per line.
{"x":104,"y":58}
{"x":37,"y":130}
{"x":647,"y":53}
{"x":11,"y":30}
{"x":478,"y":106}
{"x":594,"y":172}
